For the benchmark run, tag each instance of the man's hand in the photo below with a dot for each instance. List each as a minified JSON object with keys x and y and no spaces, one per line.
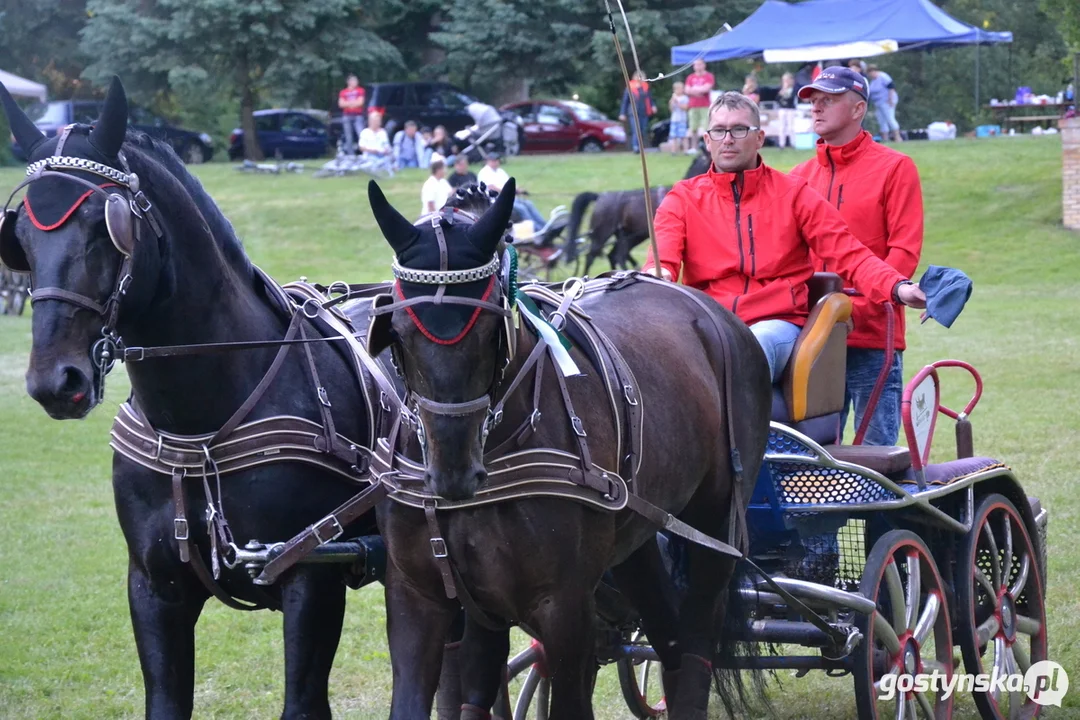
{"x":665,"y":274}
{"x":911,"y":295}
{"x":622,"y":118}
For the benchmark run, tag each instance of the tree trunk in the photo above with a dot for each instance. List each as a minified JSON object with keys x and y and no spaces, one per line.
{"x":252,"y":151}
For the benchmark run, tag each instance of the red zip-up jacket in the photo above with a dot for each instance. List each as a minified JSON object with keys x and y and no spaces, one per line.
{"x":877,"y":191}
{"x":745,"y":239}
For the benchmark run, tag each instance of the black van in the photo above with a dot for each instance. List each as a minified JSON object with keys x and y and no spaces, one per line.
{"x":427,"y":103}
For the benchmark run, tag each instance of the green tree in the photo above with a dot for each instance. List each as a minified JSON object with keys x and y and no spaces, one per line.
{"x":41,"y":42}
{"x":255,"y":48}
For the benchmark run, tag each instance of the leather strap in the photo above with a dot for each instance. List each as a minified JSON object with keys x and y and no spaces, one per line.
{"x":181,"y":532}
{"x":252,"y":400}
{"x":439,"y":550}
{"x":326,"y":530}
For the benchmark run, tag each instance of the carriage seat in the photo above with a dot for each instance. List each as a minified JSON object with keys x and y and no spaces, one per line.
{"x":810,"y":395}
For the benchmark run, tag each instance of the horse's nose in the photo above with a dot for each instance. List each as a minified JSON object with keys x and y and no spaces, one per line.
{"x":63,"y":390}
{"x":455,"y":485}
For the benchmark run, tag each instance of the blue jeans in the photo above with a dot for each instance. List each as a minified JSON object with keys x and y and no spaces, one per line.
{"x":863,"y":367}
{"x":527,"y":210}
{"x":777,"y":339}
{"x":410,"y":162}
{"x":635,"y":133}
{"x":886,"y":117}
{"x":352,"y":125}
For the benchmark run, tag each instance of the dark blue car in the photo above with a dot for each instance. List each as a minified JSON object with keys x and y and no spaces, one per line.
{"x":284,"y":134}
{"x":51,"y":117}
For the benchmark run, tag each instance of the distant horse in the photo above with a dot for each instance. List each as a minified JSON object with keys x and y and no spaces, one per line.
{"x":152,"y":261}
{"x":536,"y":559}
{"x":619,"y":213}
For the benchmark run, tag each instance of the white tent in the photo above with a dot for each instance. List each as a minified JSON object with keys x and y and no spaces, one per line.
{"x":22,"y":87}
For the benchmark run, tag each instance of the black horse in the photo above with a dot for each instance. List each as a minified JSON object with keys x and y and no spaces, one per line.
{"x":537,"y":560}
{"x":619,"y":213}
{"x":191,"y":284}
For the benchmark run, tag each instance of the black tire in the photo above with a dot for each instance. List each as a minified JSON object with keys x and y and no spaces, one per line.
{"x":1005,"y":628}
{"x":591,"y":145}
{"x":194,"y":153}
{"x":905,"y":624}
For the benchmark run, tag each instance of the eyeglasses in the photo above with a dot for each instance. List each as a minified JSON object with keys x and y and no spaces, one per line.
{"x":738,"y":132}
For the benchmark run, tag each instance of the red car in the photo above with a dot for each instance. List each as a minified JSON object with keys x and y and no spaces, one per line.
{"x":565,"y":126}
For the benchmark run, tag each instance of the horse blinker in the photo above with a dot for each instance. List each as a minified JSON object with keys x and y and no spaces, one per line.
{"x":11,"y":254}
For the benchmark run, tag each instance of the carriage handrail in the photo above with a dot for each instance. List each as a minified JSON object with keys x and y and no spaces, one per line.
{"x":974,"y":398}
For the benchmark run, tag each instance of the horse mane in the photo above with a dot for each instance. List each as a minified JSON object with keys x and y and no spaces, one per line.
{"x":160,"y":169}
{"x":473,"y":198}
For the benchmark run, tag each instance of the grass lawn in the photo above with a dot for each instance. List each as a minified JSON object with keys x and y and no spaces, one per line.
{"x":993,"y":208}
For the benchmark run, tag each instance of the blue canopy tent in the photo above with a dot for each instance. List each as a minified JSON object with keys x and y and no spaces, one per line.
{"x":810,"y":25}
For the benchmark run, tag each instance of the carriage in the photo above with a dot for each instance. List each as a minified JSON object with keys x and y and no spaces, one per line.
{"x":901,"y":557}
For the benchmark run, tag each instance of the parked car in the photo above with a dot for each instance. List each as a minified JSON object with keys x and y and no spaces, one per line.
{"x":565,"y":126}
{"x":285,"y":134}
{"x":427,"y":103}
{"x":51,"y":117}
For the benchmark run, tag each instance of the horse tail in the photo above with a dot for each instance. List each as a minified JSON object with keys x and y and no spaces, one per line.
{"x":741,"y":691}
{"x":577,"y":214}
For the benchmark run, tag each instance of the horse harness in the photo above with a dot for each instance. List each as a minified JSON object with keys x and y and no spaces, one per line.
{"x":515,"y":473}
{"x":237,"y":445}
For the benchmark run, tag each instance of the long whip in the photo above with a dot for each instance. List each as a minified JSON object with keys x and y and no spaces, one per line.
{"x":637,"y":129}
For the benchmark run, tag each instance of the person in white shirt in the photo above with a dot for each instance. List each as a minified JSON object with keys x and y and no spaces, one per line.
{"x":495,"y":177}
{"x":436,"y":190}
{"x":374,"y":143}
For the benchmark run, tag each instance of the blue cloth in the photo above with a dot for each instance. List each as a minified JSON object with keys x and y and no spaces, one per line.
{"x":863,"y":368}
{"x":779,"y":25}
{"x":777,"y":338}
{"x":634,"y":133}
{"x":947,"y":291}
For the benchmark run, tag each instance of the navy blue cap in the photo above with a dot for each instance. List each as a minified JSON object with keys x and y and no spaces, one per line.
{"x":947,"y":290}
{"x":835,"y":80}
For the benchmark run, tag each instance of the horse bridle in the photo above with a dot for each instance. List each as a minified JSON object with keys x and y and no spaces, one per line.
{"x":442,"y":278}
{"x":122,"y":209}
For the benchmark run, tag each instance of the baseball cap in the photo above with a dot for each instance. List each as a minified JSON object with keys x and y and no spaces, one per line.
{"x":835,"y":80}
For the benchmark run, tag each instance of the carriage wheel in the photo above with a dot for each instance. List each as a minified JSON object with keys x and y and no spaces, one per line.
{"x":1001,"y":623}
{"x":535,"y":698}
{"x":908,"y":634}
{"x":641,"y":685}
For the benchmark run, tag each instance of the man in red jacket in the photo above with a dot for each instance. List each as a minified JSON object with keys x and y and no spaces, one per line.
{"x":877,"y":191}
{"x":743,"y":233}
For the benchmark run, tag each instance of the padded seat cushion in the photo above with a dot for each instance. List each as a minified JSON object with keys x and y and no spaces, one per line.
{"x":883,"y":459}
{"x":953,"y":470}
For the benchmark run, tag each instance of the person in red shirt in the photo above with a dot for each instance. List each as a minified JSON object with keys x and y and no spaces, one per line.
{"x":351,"y":102}
{"x":877,"y":191}
{"x":743,"y":233}
{"x":698,"y":86}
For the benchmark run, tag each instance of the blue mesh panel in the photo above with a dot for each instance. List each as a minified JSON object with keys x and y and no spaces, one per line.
{"x":801,"y":484}
{"x":784,"y":444}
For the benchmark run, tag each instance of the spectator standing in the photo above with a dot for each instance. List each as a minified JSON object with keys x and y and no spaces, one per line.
{"x":637,"y":93}
{"x":698,"y":86}
{"x":409,"y":147}
{"x":374,"y":144}
{"x":785,"y":114}
{"x":680,"y":106}
{"x":436,"y":190}
{"x":884,"y":97}
{"x":351,"y":102}
{"x":461,"y":176}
